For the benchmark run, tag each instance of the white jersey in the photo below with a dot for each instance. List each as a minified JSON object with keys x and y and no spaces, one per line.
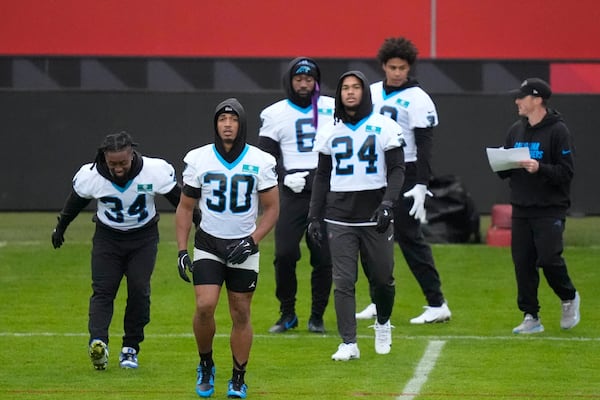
{"x":129,"y":207}
{"x":411,"y":108}
{"x":357,"y":152}
{"x":229,"y":191}
{"x":292,"y":127}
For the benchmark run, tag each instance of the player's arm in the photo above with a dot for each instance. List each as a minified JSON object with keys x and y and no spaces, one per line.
{"x":72,"y":207}
{"x":269,"y":203}
{"x":173,"y":197}
{"x":394,"y":161}
{"x":424,"y":143}
{"x":272,"y":147}
{"x":320,"y":187}
{"x":183,"y":217}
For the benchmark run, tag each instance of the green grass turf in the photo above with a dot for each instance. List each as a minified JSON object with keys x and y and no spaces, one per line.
{"x":44,"y":297}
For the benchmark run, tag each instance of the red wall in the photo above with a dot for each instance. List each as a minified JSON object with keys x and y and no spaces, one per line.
{"x":546,"y":29}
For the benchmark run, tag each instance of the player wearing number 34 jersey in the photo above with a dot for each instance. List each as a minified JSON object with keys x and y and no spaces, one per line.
{"x":125,"y":243}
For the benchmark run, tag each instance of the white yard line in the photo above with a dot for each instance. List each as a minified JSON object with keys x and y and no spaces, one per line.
{"x":314,"y":337}
{"x":425,"y":366}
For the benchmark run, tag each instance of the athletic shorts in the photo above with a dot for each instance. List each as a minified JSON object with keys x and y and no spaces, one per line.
{"x":211,"y":268}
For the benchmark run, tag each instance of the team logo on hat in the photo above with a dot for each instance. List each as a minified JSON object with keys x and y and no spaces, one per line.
{"x":303,"y":69}
{"x":534,"y":91}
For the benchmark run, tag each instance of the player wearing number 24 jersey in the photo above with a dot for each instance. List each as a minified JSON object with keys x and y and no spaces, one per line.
{"x":358,"y":180}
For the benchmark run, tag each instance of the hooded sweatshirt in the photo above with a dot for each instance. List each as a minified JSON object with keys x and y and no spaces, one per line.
{"x":547,"y":192}
{"x":359,"y":184}
{"x":231,"y":105}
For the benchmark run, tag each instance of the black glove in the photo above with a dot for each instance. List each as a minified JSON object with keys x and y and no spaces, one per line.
{"x":383,"y":216}
{"x":184,"y":263}
{"x":239,"y":251}
{"x":58,"y":235}
{"x":314,"y":231}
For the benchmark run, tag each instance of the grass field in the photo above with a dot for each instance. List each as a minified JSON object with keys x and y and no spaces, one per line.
{"x":43,"y":329}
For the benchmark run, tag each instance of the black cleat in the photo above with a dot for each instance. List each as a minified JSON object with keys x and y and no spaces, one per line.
{"x":316,"y":325}
{"x":284,"y":323}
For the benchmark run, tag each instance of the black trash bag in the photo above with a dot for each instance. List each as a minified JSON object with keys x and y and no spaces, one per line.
{"x":451,"y":213}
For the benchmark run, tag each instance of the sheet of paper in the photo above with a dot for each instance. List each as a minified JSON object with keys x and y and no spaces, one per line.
{"x":501,"y":159}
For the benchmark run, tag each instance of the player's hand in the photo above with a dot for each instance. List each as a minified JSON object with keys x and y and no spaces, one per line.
{"x":239,"y":251}
{"x":184,"y":264}
{"x":58,"y":235}
{"x":418,"y":193}
{"x":383,"y":216}
{"x":314,"y":231}
{"x":296,"y":181}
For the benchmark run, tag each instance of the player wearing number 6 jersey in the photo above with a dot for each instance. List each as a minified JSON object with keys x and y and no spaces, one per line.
{"x":358,"y":179}
{"x":124,"y":183}
{"x":229,"y":180}
{"x":288,"y":132}
{"x":400,"y":98}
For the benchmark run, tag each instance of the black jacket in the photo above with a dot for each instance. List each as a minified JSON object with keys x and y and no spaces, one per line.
{"x":545,"y":193}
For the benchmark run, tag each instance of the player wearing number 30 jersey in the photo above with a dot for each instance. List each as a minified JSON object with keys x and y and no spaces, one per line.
{"x":230,"y":180}
{"x":229,"y":190}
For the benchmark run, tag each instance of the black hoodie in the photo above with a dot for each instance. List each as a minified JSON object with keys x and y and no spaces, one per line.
{"x":547,"y":192}
{"x":358,"y":206}
{"x":231,"y":105}
{"x":300,"y":65}
{"x":365,"y":107}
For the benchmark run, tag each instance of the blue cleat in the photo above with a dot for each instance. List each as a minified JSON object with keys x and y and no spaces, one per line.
{"x":236,"y":390}
{"x":287,"y":321}
{"x":205,"y":385}
{"x":128,"y":358}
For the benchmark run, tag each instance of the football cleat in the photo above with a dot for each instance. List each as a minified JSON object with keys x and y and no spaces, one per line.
{"x":128,"y":358}
{"x":98,"y":352}
{"x":236,"y":390}
{"x":529,"y":325}
{"x":433,"y":314}
{"x":205,"y":384}
{"x":346,"y":352}
{"x":369,"y":312}
{"x":286,"y":322}
{"x":383,"y":337}
{"x":570,"y":313}
{"x":316,"y":325}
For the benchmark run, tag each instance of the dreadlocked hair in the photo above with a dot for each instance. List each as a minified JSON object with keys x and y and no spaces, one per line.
{"x":113,"y":142}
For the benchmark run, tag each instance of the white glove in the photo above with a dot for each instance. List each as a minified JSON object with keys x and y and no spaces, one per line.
{"x":296,"y":181}
{"x":418,"y":193}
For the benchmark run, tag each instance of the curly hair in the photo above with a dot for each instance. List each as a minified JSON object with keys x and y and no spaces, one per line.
{"x":397,"y":47}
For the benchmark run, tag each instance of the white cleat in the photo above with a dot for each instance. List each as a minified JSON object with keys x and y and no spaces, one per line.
{"x":433,"y":314}
{"x":346,"y":351}
{"x":383,"y":337}
{"x":369,"y":312}
{"x":570,"y":313}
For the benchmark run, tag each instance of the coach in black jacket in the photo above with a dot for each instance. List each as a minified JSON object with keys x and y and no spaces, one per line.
{"x":540,"y":196}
